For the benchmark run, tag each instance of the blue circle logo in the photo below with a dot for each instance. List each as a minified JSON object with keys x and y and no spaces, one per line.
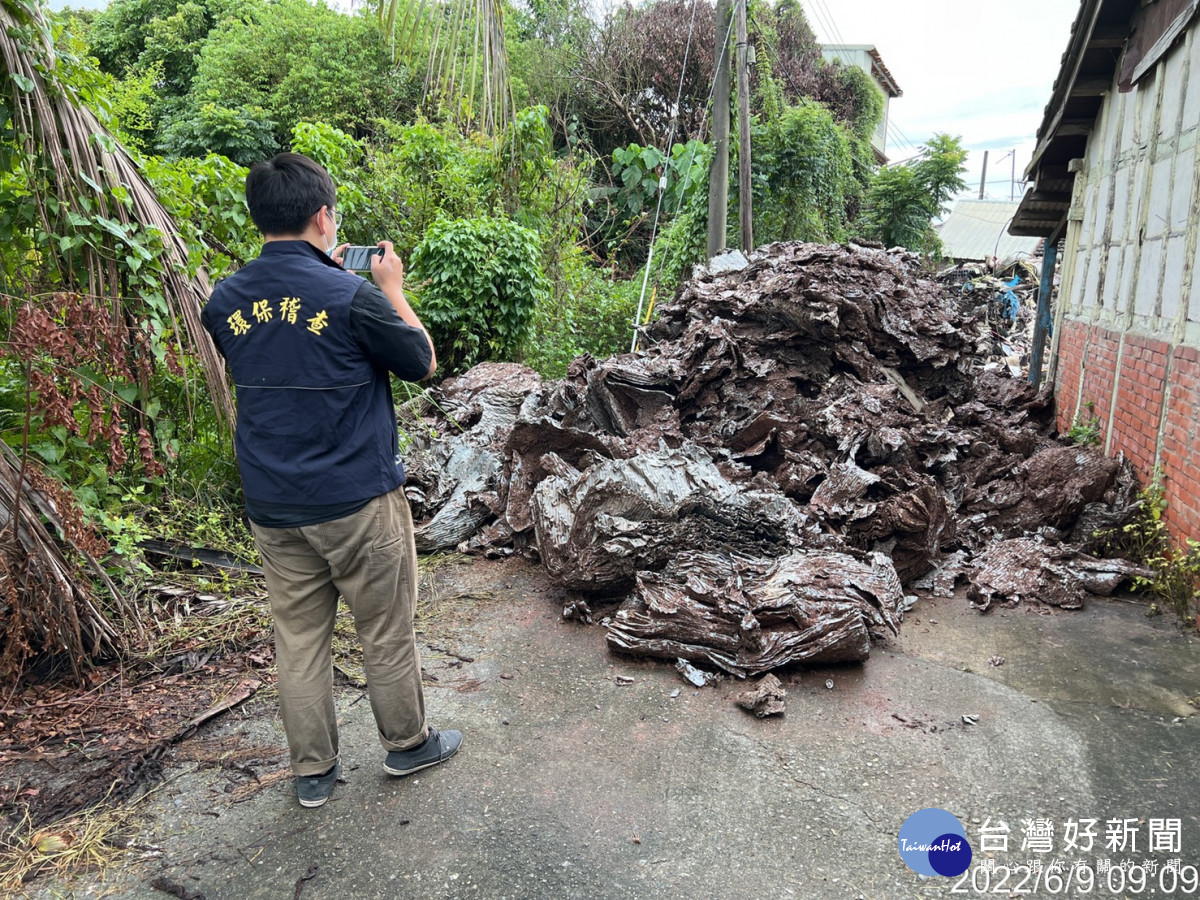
{"x":934,"y":842}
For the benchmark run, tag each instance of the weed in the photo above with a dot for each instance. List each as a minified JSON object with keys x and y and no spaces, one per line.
{"x":205,"y":624}
{"x":1175,"y":582}
{"x":92,"y":839}
{"x":1086,"y":433}
{"x":1176,"y":579}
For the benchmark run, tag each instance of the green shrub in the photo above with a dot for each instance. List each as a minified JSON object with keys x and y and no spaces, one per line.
{"x":207,"y":199}
{"x":279,"y":63}
{"x":480,"y":281}
{"x":1086,"y":433}
{"x":593,"y":314}
{"x":804,"y":176}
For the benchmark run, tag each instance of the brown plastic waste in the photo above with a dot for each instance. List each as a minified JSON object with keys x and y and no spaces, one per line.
{"x":827,"y":406}
{"x":765,"y":699}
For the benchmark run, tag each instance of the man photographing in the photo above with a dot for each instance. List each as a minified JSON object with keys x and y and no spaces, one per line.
{"x":310,"y":346}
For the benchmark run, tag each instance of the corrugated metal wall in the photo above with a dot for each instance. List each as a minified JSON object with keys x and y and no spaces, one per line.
{"x":1128,"y":322}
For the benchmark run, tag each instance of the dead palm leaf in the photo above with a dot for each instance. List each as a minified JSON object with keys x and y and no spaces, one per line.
{"x":80,"y":159}
{"x":47,"y":607}
{"x":466,"y":54}
{"x":47,"y":603}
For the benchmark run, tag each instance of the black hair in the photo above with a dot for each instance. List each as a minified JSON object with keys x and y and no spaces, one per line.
{"x":284,"y":192}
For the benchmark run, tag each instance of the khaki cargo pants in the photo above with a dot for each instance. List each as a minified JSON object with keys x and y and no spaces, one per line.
{"x":370,"y":558}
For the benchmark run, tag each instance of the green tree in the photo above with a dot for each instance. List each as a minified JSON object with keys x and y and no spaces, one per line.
{"x":135,"y":41}
{"x":904,"y":199}
{"x":546,"y":41}
{"x":279,"y":64}
{"x":130,"y":36}
{"x":804,"y":176}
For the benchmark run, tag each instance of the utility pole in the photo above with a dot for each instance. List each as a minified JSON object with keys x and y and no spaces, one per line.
{"x":745,"y":191}
{"x":718,"y":176}
{"x":1012,"y":185}
{"x":983,"y":180}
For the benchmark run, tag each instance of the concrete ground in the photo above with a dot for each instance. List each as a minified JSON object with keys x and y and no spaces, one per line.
{"x":573,"y":782}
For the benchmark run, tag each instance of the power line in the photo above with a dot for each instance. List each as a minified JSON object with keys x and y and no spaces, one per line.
{"x":662,"y":181}
{"x":899,"y":140}
{"x":900,"y":132}
{"x":820,"y":11}
{"x":817,"y":9}
{"x":825,"y":18}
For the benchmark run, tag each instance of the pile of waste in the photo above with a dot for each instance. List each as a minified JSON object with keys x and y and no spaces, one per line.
{"x":1004,"y":297}
{"x":798,"y":442}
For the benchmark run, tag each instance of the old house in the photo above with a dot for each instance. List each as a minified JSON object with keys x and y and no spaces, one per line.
{"x":867,"y":58}
{"x":1116,"y":192}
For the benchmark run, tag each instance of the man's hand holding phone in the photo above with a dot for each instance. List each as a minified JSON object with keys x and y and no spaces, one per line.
{"x":387,"y":268}
{"x":388,"y":271}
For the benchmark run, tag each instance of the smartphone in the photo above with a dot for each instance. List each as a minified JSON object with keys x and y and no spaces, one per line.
{"x":358,"y":259}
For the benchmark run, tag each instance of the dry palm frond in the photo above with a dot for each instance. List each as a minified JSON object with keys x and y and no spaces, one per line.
{"x":453,"y":73}
{"x":46,"y":605}
{"x":80,"y":160}
{"x":89,"y":840}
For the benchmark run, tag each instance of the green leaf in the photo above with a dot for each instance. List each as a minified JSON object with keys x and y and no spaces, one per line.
{"x":652,"y":157}
{"x":48,"y":451}
{"x":113,"y":227}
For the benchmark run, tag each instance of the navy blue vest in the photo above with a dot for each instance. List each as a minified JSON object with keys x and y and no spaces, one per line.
{"x":316,"y":424}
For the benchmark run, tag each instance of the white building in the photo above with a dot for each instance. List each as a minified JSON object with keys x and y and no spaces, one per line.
{"x":867,"y":58}
{"x":1117,"y":184}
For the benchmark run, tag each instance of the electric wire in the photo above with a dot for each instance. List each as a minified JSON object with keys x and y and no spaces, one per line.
{"x":690,"y":163}
{"x":904,"y":136}
{"x":662,"y":180}
{"x":703,"y":126}
{"x":822,"y":13}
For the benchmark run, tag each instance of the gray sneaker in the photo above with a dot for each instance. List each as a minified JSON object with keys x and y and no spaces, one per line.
{"x":314,"y":790}
{"x":439,"y":746}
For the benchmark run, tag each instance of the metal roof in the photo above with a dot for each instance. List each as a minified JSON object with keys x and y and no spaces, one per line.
{"x":881,"y":72}
{"x":978,"y":230}
{"x":1089,"y":66}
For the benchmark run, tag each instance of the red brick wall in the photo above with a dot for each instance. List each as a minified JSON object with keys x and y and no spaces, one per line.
{"x":1130,"y":422}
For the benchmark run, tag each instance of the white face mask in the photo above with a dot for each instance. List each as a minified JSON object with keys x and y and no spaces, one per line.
{"x":333,"y":246}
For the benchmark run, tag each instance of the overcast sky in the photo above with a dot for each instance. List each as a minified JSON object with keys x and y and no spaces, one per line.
{"x":979,"y":70}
